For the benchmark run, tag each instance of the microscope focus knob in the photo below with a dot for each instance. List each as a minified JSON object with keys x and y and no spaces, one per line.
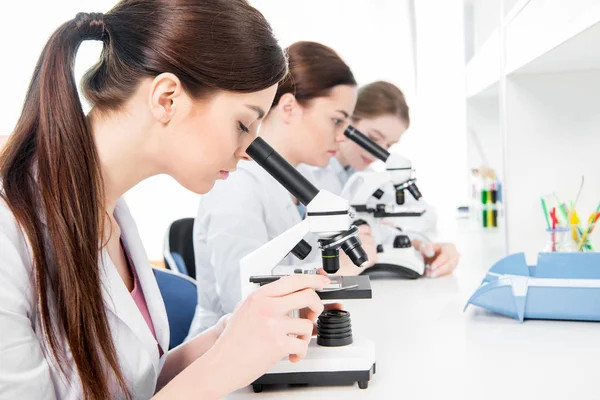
{"x":380,"y":248}
{"x":402,"y":242}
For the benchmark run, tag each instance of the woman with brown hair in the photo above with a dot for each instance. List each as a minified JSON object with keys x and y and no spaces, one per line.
{"x":382,"y":113}
{"x":180,"y":88}
{"x":306,"y":124}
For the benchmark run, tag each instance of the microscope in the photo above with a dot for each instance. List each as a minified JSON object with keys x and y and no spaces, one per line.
{"x":381,"y":195}
{"x":335,"y":357}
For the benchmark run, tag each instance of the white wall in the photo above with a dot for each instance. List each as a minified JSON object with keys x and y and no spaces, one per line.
{"x":486,"y":16}
{"x":373,"y":37}
{"x":437,"y":141}
{"x":32,"y":23}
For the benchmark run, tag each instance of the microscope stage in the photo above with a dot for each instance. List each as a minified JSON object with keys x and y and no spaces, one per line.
{"x":341,"y":288}
{"x":390,"y":210}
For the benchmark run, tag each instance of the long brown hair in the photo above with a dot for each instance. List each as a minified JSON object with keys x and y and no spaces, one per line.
{"x":378,"y":99}
{"x":50,"y":168}
{"x":314,"y":70}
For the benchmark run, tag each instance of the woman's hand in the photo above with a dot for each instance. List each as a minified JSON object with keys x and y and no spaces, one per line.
{"x":257,"y":335}
{"x":307,"y":313}
{"x":260,"y":332}
{"x":220,"y":326}
{"x":440,"y":258}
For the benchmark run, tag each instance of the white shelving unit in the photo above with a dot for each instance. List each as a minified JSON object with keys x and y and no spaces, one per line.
{"x":483,"y":70}
{"x":541,"y":27}
{"x":533,"y":96}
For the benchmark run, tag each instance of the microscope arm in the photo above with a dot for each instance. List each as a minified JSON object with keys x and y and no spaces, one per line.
{"x":264,"y":259}
{"x":362,"y":185}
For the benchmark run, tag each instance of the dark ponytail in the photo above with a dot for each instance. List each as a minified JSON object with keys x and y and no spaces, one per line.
{"x":50,"y":168}
{"x":53,"y":150}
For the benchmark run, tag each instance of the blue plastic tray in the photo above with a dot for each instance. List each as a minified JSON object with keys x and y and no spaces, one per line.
{"x":562,"y":286}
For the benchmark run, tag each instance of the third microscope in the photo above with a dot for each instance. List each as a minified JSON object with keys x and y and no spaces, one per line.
{"x":378,"y":196}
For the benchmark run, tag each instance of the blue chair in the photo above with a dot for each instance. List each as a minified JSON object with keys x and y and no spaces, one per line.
{"x":180,"y":297}
{"x":179,"y":247}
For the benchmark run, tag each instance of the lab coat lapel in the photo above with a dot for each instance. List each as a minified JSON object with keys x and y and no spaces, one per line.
{"x":118,"y":299}
{"x":135,"y":248}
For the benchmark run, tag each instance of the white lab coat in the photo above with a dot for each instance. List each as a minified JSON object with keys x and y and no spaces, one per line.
{"x":334,"y":177}
{"x":27,"y":368}
{"x":237,"y":217}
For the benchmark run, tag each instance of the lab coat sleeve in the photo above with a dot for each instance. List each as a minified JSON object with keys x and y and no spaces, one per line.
{"x":234,"y":219}
{"x":24,"y":370}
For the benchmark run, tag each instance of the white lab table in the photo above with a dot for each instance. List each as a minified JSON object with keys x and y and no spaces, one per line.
{"x":428,"y":348}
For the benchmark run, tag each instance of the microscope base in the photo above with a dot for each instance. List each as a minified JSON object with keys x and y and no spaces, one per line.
{"x":325,"y":366}
{"x":404,"y":263}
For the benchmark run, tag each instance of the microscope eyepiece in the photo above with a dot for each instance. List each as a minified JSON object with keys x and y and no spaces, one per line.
{"x":282,"y":171}
{"x":366,"y":143}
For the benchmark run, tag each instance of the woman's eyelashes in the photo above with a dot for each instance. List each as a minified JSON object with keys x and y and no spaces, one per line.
{"x":338,"y":122}
{"x":243,"y":128}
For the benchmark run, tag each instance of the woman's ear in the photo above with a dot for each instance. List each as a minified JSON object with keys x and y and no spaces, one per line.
{"x":165,"y":90}
{"x":289,"y":108}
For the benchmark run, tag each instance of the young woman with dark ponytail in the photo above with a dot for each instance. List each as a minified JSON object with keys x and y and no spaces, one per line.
{"x":180,"y":88}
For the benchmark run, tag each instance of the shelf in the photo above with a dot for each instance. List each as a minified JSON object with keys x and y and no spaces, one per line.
{"x":483,"y":70}
{"x":537,"y":114}
{"x":490,"y":92}
{"x":541,"y":36}
{"x":545,"y":26}
{"x":551,"y":139}
{"x":515,"y":10}
{"x":576,"y":54}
